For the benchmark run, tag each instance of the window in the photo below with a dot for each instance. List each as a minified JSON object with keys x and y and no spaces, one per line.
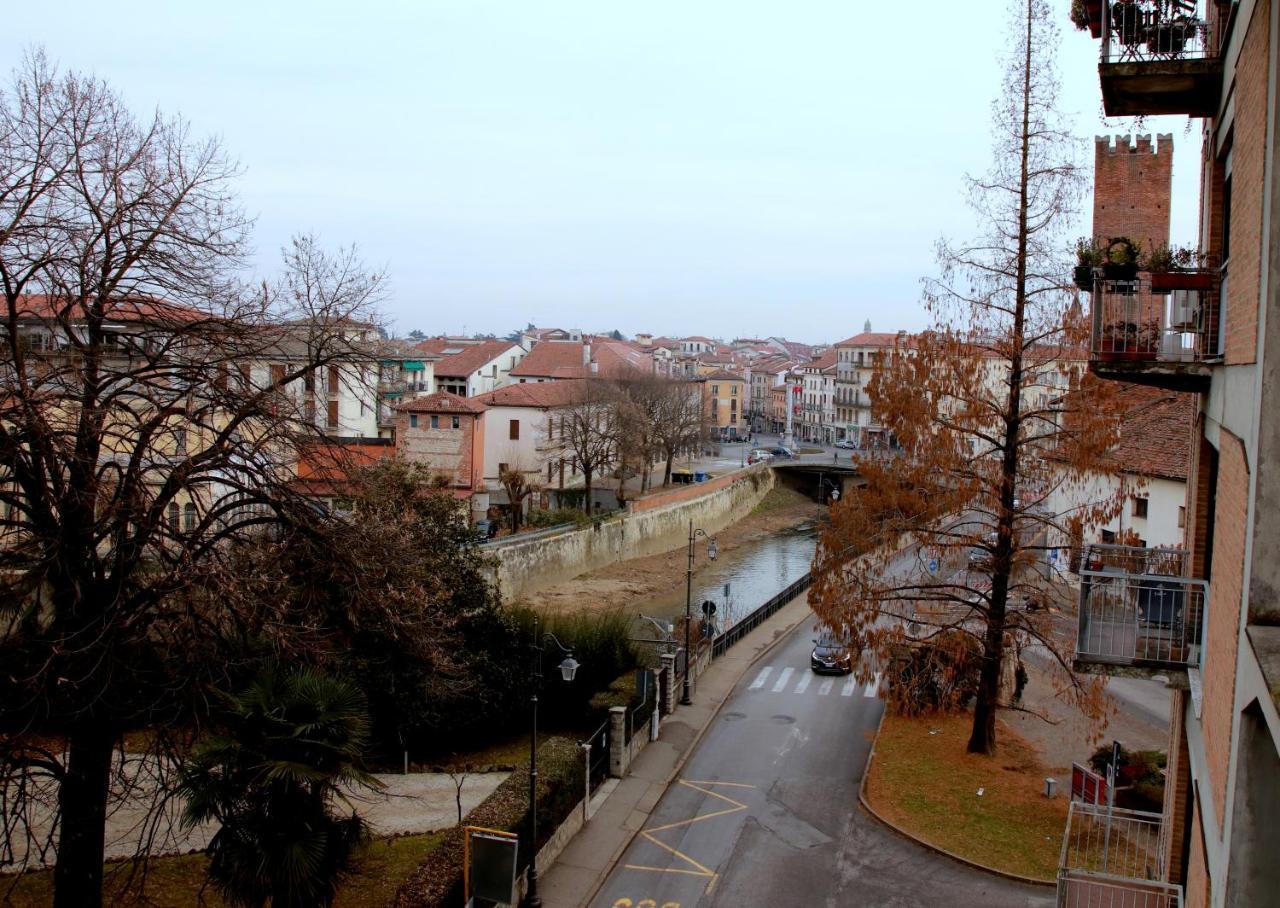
{"x":1108,"y":537}
{"x":1182,"y":518}
{"x":180,"y":442}
{"x":502,"y":468}
{"x":173,"y":516}
{"x":733,"y":390}
{"x":331,"y":415}
{"x":513,"y":430}
{"x":1139,"y":507}
{"x":333,"y":380}
{"x":309,"y":381}
{"x":413,"y":420}
{"x":435,"y":422}
{"x":189,"y":517}
{"x":277,"y":374}
{"x":457,"y":421}
{"x":715,"y":390}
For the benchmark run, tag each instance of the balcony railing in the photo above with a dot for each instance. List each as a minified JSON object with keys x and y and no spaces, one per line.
{"x":1158,"y":57}
{"x":1151,"y":333}
{"x":1114,"y":858}
{"x":1137,"y":609}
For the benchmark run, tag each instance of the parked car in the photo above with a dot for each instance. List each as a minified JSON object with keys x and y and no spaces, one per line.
{"x":846,"y":444}
{"x":782,"y":452}
{"x":831,"y":653}
{"x":758,"y":455}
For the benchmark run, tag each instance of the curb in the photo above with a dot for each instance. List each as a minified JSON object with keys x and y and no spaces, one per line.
{"x":928,"y":846}
{"x":693,"y":745}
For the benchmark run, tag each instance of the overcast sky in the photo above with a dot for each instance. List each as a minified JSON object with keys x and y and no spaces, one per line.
{"x":710,"y":167}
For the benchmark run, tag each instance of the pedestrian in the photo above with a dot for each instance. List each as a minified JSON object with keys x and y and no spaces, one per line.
{"x":1019,"y":682}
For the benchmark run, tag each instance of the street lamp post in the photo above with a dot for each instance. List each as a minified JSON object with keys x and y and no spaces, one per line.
{"x":685,"y":698}
{"x":568,"y":667}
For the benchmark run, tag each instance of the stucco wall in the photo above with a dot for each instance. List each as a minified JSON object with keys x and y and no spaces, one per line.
{"x":527,"y":566}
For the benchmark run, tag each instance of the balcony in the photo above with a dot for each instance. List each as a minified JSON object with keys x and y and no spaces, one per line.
{"x":1158,"y":57}
{"x":1114,"y":858}
{"x":1157,"y":329}
{"x":1138,"y":610}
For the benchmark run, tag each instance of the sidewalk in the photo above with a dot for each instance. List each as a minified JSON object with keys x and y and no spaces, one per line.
{"x":585,"y":863}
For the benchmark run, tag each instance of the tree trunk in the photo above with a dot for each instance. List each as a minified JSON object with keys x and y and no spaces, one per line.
{"x":82,"y":800}
{"x":586,"y":479}
{"x":666,"y":476}
{"x":982,"y":739}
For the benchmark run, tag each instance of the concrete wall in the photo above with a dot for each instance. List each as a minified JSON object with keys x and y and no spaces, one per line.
{"x":526,"y":566}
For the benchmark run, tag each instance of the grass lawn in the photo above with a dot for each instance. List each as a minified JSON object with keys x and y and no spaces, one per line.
{"x":928,"y":785}
{"x":175,"y":882}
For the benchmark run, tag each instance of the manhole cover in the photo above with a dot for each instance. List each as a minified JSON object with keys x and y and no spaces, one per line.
{"x":782,"y":720}
{"x":734,"y":717}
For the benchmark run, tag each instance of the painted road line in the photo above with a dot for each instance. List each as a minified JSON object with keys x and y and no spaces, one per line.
{"x":761,"y":678}
{"x":849,"y":687}
{"x":804,"y":682}
{"x":872,"y":687}
{"x":826,"y":687}
{"x":783,"y":678}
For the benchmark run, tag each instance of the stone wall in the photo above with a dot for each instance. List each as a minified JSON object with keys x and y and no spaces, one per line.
{"x":526,"y":566}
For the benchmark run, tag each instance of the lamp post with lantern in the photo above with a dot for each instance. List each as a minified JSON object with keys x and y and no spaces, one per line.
{"x":685,"y":698}
{"x":568,"y":668}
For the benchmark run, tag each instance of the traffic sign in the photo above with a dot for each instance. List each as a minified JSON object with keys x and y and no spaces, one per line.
{"x":933,"y":565}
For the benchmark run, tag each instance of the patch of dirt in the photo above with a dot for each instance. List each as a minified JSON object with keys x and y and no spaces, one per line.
{"x":656,"y":575}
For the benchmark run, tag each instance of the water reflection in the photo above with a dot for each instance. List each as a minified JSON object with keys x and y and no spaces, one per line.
{"x":753,"y":572}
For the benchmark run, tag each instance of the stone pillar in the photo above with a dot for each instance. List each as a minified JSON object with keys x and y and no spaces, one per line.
{"x":668,"y":685}
{"x":617,"y":741}
{"x":586,"y":782}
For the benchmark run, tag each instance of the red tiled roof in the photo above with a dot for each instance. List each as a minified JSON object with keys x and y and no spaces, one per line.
{"x":824,"y":361}
{"x":533,"y":394}
{"x":720,"y":375}
{"x":470,"y":355}
{"x":324,"y":468}
{"x":128,"y":309}
{"x":870,"y":339}
{"x":551,"y":359}
{"x":1155,"y":435}
{"x":441,"y":402}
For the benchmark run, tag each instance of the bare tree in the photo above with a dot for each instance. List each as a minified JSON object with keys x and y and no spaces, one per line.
{"x":151,"y":415}
{"x":681,"y":422}
{"x":992,"y":409}
{"x":519,"y":485}
{"x":589,"y":431}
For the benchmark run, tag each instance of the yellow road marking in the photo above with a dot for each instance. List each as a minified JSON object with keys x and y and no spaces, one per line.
{"x":701,"y":870}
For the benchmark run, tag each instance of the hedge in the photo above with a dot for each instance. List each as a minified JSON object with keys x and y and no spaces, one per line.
{"x":438,"y":880}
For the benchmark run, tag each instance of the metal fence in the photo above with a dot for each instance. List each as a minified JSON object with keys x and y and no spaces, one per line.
{"x":749,"y":623}
{"x":1114,"y":858}
{"x":1141,"y":618}
{"x":598,"y":765}
{"x":1132,"y":322}
{"x":1146,"y":31}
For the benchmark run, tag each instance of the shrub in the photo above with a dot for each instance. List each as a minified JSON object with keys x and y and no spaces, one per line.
{"x":550,"y":518}
{"x":438,"y":880}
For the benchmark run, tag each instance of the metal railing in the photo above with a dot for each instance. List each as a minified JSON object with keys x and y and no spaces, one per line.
{"x":750,"y":622}
{"x":598,"y":765}
{"x":1148,"y":31}
{"x":1134,"y":323}
{"x":1136,"y":608}
{"x":1114,"y":858}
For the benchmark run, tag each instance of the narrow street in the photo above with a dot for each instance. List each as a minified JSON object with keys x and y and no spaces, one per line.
{"x":765,"y":813}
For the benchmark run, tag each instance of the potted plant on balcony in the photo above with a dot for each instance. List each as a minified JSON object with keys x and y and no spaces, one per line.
{"x":1169,"y":38}
{"x":1126,"y":22}
{"x":1128,"y":342}
{"x":1178,"y":268}
{"x":1120,"y":259}
{"x":1088,"y":258}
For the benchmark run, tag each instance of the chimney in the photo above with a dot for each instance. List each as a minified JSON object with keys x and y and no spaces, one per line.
{"x":586,"y":354}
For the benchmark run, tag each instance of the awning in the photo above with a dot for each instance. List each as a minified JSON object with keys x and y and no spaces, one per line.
{"x":413,"y":365}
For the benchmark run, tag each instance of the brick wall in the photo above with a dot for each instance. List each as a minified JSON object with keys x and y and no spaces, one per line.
{"x":1225,"y":591}
{"x":451,"y":452}
{"x":1196,"y":891}
{"x":1177,"y":788}
{"x":1200,"y":482}
{"x":1132,"y":185}
{"x":1247,"y":170}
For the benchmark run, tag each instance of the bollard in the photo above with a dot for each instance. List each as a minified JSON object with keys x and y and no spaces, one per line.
{"x":586,"y":782}
{"x":669,"y":683}
{"x":617,"y":741}
{"x":1050,"y":786}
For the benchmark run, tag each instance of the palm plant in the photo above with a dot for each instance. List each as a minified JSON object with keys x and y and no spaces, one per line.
{"x":291,"y":743}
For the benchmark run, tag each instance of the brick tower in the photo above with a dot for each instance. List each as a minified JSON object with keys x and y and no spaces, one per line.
{"x":1132,"y":186}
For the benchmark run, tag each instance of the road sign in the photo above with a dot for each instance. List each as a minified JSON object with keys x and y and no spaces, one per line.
{"x":490,"y":857}
{"x":708,"y":608}
{"x":933,"y":565}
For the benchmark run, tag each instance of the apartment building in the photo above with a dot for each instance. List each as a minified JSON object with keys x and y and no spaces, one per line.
{"x":856,"y":359}
{"x":723,"y":401}
{"x":817,"y":400}
{"x":1206,"y":617}
{"x":468,"y":366}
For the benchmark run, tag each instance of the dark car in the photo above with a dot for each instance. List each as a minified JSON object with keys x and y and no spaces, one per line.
{"x":831,"y":654}
{"x":781,"y":452}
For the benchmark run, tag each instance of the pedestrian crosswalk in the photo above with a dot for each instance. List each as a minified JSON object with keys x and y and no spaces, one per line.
{"x":786,"y":680}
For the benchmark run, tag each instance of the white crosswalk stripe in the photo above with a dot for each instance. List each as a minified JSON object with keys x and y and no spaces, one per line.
{"x":826,"y":687}
{"x":783,"y":678}
{"x":761,"y":678}
{"x":849,"y":687}
{"x":804,"y":682}
{"x":872,"y":687}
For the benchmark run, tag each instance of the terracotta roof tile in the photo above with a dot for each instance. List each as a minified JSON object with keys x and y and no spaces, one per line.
{"x":533,"y":394}
{"x":467,"y":355}
{"x":441,"y":402}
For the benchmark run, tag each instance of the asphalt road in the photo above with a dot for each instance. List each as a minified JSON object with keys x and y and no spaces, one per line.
{"x":766,"y":811}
